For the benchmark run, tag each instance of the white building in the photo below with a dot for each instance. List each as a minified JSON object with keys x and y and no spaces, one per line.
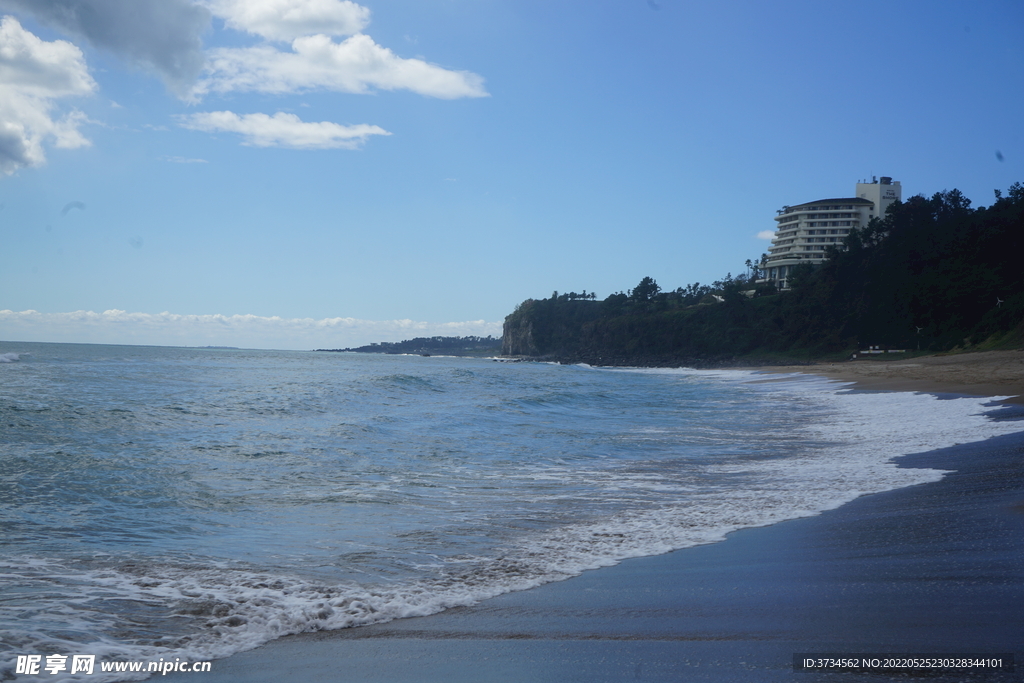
{"x":805,"y":230}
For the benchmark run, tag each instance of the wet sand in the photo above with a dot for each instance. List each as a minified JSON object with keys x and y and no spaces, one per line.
{"x":935,"y":568}
{"x":987,"y":373}
{"x":931,"y":569}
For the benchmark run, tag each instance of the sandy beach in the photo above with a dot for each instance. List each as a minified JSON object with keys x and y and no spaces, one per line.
{"x":930,"y":569}
{"x":987,"y":373}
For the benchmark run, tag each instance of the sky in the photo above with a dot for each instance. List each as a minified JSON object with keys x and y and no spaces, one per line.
{"x":324,"y":173}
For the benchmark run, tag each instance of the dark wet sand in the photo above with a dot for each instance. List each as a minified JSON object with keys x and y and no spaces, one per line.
{"x":986,"y":373}
{"x":934,"y":568}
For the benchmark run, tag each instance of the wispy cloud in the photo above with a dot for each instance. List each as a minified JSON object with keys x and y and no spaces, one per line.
{"x":766,"y":235}
{"x":317,"y":62}
{"x":282,"y":130}
{"x":250,"y":331}
{"x":184,"y":160}
{"x":290,"y":19}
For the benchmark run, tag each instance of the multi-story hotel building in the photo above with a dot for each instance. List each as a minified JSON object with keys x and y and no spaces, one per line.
{"x":805,"y":230}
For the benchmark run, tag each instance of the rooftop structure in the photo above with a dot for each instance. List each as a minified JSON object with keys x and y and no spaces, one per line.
{"x":805,"y":230}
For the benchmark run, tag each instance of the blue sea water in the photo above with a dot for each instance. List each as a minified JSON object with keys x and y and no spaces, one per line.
{"x":173,"y":502}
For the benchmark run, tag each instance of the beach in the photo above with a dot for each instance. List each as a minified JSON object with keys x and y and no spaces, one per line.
{"x":931,"y":569}
{"x":988,"y":373}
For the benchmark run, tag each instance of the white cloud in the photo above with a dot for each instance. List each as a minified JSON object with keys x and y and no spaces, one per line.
{"x":163,"y":36}
{"x":290,"y":19}
{"x":33,"y":74}
{"x":355,"y":65}
{"x":282,"y":130}
{"x":248,"y":331}
{"x":766,"y":235}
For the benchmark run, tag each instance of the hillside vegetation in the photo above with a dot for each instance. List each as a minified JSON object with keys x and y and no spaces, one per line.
{"x":933,"y":275}
{"x":447,"y":346}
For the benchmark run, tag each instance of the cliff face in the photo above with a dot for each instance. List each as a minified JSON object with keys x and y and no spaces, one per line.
{"x":574,"y":332}
{"x":593,"y":332}
{"x":517,"y":335}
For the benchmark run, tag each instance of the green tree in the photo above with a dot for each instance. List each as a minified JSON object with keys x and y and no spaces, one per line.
{"x":646,"y":290}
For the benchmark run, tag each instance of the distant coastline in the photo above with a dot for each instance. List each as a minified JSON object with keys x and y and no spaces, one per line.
{"x":430,"y":346}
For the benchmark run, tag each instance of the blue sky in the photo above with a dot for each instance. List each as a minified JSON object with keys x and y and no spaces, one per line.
{"x":308,"y":173}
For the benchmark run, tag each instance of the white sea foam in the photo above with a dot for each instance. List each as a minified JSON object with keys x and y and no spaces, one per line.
{"x":846,"y":448}
{"x":9,"y":357}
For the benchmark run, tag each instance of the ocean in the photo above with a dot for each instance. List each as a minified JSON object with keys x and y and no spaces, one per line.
{"x":180,"y":503}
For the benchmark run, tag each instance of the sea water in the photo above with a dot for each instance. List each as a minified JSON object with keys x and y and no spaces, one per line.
{"x":192,"y":503}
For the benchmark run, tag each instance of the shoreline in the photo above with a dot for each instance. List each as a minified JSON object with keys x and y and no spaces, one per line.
{"x":975,"y":373}
{"x":927,"y":569}
{"x":932,"y":568}
{"x":983,"y":373}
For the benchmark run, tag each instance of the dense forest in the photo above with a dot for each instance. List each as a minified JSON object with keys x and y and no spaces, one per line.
{"x":447,"y":346}
{"x":934,"y":274}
